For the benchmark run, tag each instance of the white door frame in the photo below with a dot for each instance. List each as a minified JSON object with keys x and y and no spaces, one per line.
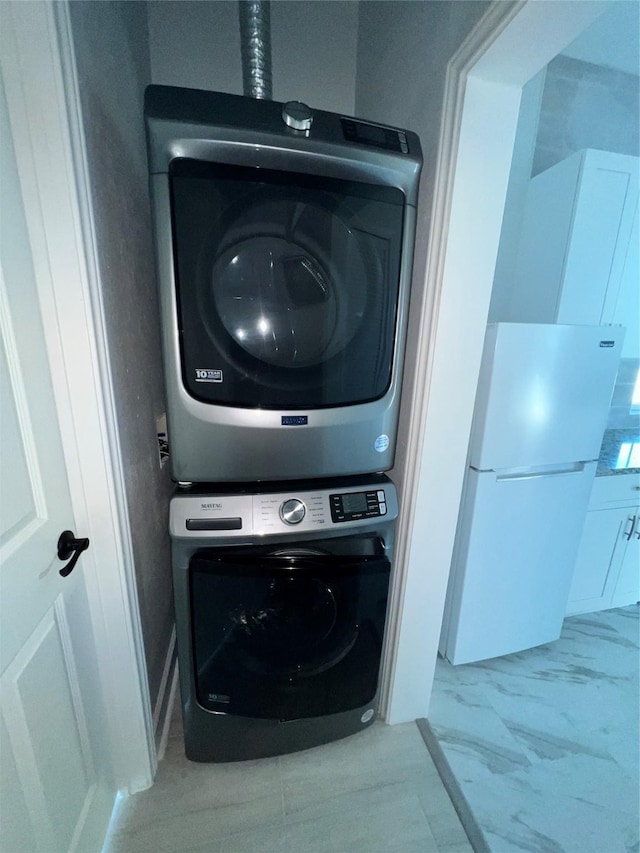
{"x":510,"y":44}
{"x":39,"y":72}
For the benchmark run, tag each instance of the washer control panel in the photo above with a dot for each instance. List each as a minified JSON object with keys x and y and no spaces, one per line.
{"x":353,"y":506}
{"x":234,"y":517}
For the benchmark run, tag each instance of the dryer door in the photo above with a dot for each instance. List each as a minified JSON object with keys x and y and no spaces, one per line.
{"x":287,"y":285}
{"x":286,"y":637}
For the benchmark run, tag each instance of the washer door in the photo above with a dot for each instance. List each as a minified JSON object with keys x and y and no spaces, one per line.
{"x":289,"y":635}
{"x":287,"y":285}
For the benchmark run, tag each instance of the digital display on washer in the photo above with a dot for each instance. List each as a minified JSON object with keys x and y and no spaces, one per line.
{"x":355,"y":505}
{"x":356,"y":502}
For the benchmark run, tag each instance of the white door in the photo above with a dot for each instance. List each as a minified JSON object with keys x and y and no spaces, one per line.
{"x":56,"y":789}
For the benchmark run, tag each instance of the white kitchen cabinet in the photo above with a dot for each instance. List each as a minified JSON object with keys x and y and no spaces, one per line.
{"x":577,"y":259}
{"x":626,"y":589}
{"x":607,"y":570}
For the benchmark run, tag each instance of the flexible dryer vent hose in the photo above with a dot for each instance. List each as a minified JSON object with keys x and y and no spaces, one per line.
{"x":255,"y":44}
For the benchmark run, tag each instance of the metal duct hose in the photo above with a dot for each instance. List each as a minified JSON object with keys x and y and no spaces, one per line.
{"x":255,"y":43}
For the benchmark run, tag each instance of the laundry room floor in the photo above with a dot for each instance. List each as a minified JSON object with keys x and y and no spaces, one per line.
{"x":543,"y":744}
{"x":374,"y":792}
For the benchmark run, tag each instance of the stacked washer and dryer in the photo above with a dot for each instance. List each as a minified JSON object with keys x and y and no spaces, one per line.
{"x":284,"y":245}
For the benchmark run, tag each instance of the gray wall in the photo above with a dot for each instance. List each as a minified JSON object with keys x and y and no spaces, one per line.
{"x":197,"y":44}
{"x":585,"y":106}
{"x":403,"y":50}
{"x":112,"y":56}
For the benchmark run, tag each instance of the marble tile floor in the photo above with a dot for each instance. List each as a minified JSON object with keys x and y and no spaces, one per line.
{"x":375,"y":792}
{"x":544,"y":744}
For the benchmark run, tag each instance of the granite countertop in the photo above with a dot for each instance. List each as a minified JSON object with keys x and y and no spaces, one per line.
{"x":610,"y":452}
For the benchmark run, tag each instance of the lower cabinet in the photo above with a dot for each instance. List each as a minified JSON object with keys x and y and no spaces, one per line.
{"x":627,"y":587}
{"x":607,"y":570}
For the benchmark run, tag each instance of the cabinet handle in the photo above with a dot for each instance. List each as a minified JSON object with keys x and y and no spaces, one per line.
{"x":629,"y":533}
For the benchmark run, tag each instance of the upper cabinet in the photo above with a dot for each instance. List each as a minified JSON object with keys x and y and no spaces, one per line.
{"x":577,"y":260}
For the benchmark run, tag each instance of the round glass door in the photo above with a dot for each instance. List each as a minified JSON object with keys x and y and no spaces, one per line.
{"x":292,"y":631}
{"x":279,"y":293}
{"x":286,"y":634}
{"x":287,"y":286}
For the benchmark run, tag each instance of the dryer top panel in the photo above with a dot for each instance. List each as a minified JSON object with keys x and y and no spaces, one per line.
{"x":223,"y":128}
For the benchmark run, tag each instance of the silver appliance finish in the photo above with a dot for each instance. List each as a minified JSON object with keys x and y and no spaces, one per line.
{"x":259,"y":518}
{"x":215,"y":443}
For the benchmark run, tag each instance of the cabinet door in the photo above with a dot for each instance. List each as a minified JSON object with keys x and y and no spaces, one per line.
{"x":544,"y":238}
{"x":627,"y":584}
{"x":599,"y":558}
{"x":599,"y":242}
{"x":622,"y":303}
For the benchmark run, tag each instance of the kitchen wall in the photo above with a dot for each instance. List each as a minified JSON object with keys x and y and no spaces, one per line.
{"x":585,"y":106}
{"x":112,"y":55}
{"x":197,"y":44}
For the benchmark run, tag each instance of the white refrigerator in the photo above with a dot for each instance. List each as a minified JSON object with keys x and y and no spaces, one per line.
{"x":541,"y":411}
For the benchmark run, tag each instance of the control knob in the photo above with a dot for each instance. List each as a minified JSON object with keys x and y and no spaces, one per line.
{"x":297,"y":115}
{"x":292,"y":511}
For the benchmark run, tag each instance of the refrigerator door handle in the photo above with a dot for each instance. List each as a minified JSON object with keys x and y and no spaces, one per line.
{"x":546,"y":471}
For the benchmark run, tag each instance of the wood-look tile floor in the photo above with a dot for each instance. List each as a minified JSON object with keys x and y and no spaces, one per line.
{"x":375,"y":792}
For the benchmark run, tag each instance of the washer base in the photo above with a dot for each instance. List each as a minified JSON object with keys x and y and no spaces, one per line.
{"x":212,"y":737}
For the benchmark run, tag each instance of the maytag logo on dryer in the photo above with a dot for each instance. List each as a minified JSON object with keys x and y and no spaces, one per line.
{"x":210,"y":506}
{"x":207,"y":375}
{"x":607,"y":343}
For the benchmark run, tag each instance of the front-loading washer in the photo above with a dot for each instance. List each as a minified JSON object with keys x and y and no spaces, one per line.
{"x":281,"y":602}
{"x":284,"y":260}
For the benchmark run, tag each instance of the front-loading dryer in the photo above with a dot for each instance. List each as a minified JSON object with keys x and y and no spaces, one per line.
{"x":284,"y":262}
{"x":281,"y":601}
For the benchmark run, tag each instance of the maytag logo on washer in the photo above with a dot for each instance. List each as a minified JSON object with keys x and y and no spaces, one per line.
{"x":210,"y":506}
{"x":206,"y":375}
{"x":368,"y":714}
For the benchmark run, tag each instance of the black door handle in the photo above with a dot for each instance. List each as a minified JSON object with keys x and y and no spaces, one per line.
{"x":69,"y":546}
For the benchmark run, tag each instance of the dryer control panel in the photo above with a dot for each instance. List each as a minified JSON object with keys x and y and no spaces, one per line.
{"x":234,"y":516}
